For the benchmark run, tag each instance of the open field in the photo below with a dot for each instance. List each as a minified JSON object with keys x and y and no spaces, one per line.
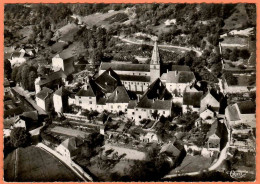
{"x":33,"y":164}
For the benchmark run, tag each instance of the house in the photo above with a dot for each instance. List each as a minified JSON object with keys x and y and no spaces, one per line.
{"x":191,"y":101}
{"x":17,"y":59}
{"x":43,"y":98}
{"x":60,"y":100}
{"x":157,"y":99}
{"x":150,"y":137}
{"x":131,"y":109}
{"x":136,"y":77}
{"x":69,"y":148}
{"x":211,"y":99}
{"x":207,"y":113}
{"x":174,"y":150}
{"x":108,"y":81}
{"x":28,"y":120}
{"x":60,"y":62}
{"x":177,"y":81}
{"x":118,"y":100}
{"x":6,"y":86}
{"x":52,"y":81}
{"x":214,"y":136}
{"x":89,"y":96}
{"x":8,"y":126}
{"x":241,"y":112}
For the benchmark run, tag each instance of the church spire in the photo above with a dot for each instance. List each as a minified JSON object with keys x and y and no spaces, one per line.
{"x":155,"y":60}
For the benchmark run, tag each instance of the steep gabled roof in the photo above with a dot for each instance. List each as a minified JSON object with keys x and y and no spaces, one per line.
{"x":157,"y":90}
{"x":125,"y":67}
{"x":138,"y":78}
{"x":180,"y":77}
{"x":120,"y":95}
{"x":44,"y":93}
{"x":93,"y":90}
{"x":62,"y":91}
{"x":215,"y":129}
{"x":132,"y":104}
{"x":233,"y":113}
{"x":53,"y":76}
{"x":108,"y":81}
{"x":171,"y":149}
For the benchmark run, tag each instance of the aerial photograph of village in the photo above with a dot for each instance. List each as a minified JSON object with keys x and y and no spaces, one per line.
{"x":129,"y":92}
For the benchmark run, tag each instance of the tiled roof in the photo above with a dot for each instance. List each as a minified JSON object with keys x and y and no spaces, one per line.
{"x":120,"y":95}
{"x":53,"y":76}
{"x":62,"y":91}
{"x":125,"y":67}
{"x":135,"y":78}
{"x":233,"y":113}
{"x":58,"y":46}
{"x":215,"y":129}
{"x":44,"y":93}
{"x":192,"y":98}
{"x":179,"y":77}
{"x":69,"y":65}
{"x":155,"y":104}
{"x":132,"y":104}
{"x":170,"y":149}
{"x":180,"y":68}
{"x":108,"y":81}
{"x":157,"y":90}
{"x":246,"y":107}
{"x":93,"y":90}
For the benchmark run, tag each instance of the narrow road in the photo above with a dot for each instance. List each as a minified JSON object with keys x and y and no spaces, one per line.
{"x":165,"y":46}
{"x":21,"y":92}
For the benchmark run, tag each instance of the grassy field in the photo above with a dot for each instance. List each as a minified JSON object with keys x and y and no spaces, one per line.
{"x":237,"y":19}
{"x":33,"y":164}
{"x":192,"y":164}
{"x":98,"y":18}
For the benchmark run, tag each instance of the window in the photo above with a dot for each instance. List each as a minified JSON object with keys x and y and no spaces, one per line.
{"x":163,"y":112}
{"x":111,"y":106}
{"x":136,"y":109}
{"x":90,"y":102}
{"x":140,"y":117}
{"x":131,"y":82}
{"x":133,"y":113}
{"x":80,"y":102}
{"x":144,"y":110}
{"x":89,"y":97}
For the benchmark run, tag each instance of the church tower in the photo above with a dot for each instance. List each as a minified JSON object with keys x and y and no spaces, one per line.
{"x":155,"y":70}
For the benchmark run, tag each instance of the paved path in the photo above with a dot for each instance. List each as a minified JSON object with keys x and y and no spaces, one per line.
{"x":21,"y":92}
{"x":165,"y":46}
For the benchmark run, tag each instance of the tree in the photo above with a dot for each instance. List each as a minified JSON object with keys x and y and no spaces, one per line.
{"x":14,"y":73}
{"x":231,"y":80}
{"x":25,"y":69}
{"x":234,"y":55}
{"x":7,"y":69}
{"x":19,"y":137}
{"x":31,"y":79}
{"x":244,"y":53}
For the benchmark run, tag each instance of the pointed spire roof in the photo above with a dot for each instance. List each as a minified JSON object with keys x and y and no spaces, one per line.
{"x":155,"y":60}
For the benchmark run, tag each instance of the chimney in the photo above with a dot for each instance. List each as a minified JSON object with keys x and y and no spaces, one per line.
{"x":153,"y":100}
{"x":167,"y":70}
{"x":157,"y":91}
{"x":138,"y":98}
{"x":116,"y":92}
{"x":105,"y":83}
{"x":109,"y":72}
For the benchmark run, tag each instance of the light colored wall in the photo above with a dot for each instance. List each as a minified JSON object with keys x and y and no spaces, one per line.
{"x":57,"y":102}
{"x":86,"y":102}
{"x":180,"y":87}
{"x":41,"y":103}
{"x":116,"y":107}
{"x":57,"y":63}
{"x":206,"y":113}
